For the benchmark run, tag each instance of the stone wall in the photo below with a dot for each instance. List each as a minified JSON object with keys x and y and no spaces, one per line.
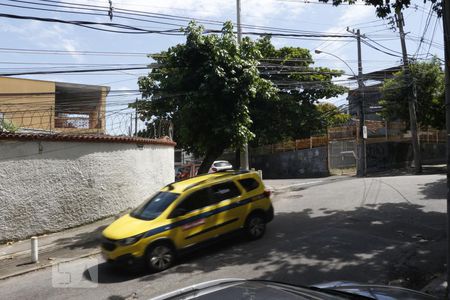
{"x":383,"y":156}
{"x":48,"y":186}
{"x":293,"y":164}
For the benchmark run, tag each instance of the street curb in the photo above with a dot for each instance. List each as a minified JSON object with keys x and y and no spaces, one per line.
{"x":287,"y":187}
{"x":19,"y":253}
{"x":436,"y":287}
{"x":49,"y":264}
{"x":317,"y":182}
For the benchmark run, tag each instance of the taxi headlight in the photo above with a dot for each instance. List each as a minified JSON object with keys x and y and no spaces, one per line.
{"x":130,"y":240}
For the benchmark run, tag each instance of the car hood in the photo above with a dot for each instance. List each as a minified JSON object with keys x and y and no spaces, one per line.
{"x":385,"y":292}
{"x":235,"y":288}
{"x":127,"y":226}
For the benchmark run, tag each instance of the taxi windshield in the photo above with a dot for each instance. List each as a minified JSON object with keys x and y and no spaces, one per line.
{"x":154,"y":206}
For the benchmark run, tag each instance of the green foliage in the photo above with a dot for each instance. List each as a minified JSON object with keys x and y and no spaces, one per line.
{"x":205,"y":87}
{"x":221,"y":95}
{"x":428,"y":79}
{"x":294,"y":115}
{"x":332,"y":116}
{"x":7,"y":126}
{"x":384,"y":8}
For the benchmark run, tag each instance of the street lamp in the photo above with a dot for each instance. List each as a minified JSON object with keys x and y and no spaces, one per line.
{"x":317,"y":51}
{"x":362,"y":145}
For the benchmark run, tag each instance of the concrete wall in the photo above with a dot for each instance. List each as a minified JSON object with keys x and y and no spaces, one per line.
{"x":293,"y":164}
{"x":50,"y":186}
{"x":382,"y":156}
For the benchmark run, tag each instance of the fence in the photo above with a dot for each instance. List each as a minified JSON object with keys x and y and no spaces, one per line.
{"x":342,"y":133}
{"x":308,"y":143}
{"x":380,"y":131}
{"x":342,"y":142}
{"x":115,"y":123}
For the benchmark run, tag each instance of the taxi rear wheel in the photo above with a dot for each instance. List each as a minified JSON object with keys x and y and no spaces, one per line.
{"x":160,"y":257}
{"x":255,"y":226}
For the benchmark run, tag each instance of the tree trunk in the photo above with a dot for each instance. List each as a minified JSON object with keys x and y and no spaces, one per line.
{"x":210,"y":157}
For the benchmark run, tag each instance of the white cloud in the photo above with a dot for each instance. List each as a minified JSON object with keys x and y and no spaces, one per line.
{"x":11,"y":29}
{"x":71,"y":46}
{"x":265,"y":11}
{"x":53,"y":37}
{"x":56,"y":37}
{"x":258,"y":11}
{"x":353,"y":14}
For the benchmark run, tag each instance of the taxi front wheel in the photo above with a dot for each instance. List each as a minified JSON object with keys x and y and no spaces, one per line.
{"x":255,"y":226}
{"x":160,"y":257}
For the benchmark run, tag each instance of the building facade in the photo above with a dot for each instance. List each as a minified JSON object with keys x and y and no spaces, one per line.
{"x":36,"y":105}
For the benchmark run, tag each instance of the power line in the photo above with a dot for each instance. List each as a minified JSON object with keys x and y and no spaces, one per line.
{"x":432,"y":37}
{"x":75,"y":52}
{"x":157,"y":15}
{"x":82,"y":12}
{"x":320,"y":2}
{"x":378,"y":49}
{"x":91,"y":25}
{"x":311,"y":35}
{"x":73,"y":71}
{"x":425,"y":29}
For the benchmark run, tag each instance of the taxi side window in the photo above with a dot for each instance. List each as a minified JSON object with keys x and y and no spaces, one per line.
{"x":223,"y":191}
{"x":194,"y":201}
{"x":249,"y":184}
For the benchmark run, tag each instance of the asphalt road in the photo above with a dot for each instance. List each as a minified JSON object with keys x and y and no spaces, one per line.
{"x":379,"y":230}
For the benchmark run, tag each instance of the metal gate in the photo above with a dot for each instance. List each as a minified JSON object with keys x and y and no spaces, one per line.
{"x":342,"y":156}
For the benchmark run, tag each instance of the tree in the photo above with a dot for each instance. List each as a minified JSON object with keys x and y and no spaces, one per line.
{"x":429,"y":82}
{"x":331,"y":115}
{"x":204,"y":87}
{"x":219,"y":95}
{"x":384,"y":8}
{"x":294,"y":115}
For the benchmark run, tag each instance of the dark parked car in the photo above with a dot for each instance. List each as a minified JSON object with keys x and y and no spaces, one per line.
{"x":234,"y":289}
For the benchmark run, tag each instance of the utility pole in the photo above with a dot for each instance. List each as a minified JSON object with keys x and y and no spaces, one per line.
{"x":244,"y":152}
{"x":130,"y":129}
{"x":412,"y":100}
{"x":238,"y":21}
{"x":135,"y":117}
{"x":361,"y":166}
{"x":362,"y":142}
{"x":446,"y":26}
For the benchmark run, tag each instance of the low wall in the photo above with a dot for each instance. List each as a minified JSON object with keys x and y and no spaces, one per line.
{"x":293,"y":164}
{"x":48,"y":186}
{"x":383,"y":156}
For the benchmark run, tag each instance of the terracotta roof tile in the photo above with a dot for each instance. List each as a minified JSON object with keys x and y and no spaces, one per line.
{"x":85,"y":138}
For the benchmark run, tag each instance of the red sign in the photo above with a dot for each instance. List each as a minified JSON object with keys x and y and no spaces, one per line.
{"x":194,"y":224}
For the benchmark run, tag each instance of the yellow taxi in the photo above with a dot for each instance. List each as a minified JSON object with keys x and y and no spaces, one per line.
{"x":187,"y":213}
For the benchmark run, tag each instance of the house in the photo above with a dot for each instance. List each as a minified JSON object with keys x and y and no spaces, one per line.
{"x":60,"y":107}
{"x":371,"y":91}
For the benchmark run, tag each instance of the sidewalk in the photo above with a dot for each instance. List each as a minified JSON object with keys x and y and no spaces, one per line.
{"x":426,"y":170}
{"x":71,"y":244}
{"x":437,"y":287}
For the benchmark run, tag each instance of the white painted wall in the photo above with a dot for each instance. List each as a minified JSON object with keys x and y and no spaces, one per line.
{"x":51,"y":186}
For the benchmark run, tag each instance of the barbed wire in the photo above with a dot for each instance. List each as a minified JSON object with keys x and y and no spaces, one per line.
{"x":116,"y":123}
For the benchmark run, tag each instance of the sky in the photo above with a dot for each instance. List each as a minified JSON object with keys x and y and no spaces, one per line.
{"x":34,"y":45}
